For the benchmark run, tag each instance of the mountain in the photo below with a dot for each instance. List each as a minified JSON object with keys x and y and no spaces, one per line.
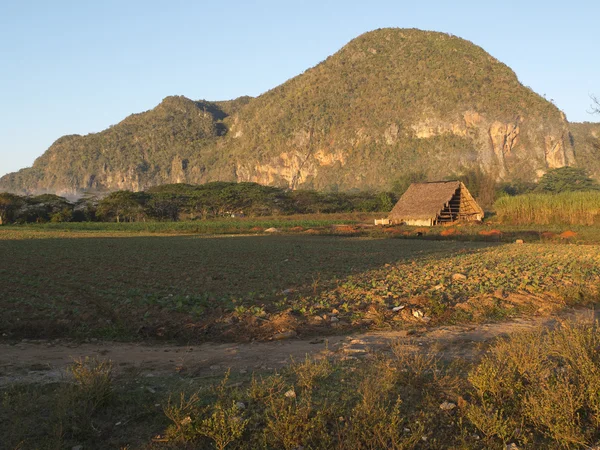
{"x":169,"y":143}
{"x":390,"y":103}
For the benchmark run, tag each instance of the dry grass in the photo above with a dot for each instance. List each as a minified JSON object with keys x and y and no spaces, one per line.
{"x":540,"y":387}
{"x":536,"y":389}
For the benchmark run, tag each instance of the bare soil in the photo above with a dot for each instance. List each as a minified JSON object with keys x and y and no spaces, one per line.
{"x":43,"y":361}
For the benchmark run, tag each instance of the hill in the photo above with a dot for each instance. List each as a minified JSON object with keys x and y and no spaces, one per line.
{"x":167,"y":143}
{"x":586,"y":140}
{"x":390,"y":103}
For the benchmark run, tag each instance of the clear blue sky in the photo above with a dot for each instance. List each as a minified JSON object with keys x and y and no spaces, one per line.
{"x":71,"y":67}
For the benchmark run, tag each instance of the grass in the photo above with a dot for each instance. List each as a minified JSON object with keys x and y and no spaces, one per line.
{"x":213,"y":226}
{"x":535,"y":390}
{"x":197,"y":288}
{"x":568,"y":208}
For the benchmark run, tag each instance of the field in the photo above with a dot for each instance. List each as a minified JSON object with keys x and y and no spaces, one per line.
{"x":566,"y":208}
{"x":196,"y":288}
{"x":85,"y":290}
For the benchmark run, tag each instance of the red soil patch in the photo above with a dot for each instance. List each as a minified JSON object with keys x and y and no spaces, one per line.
{"x":257,"y":229}
{"x":312,"y":231}
{"x":568,"y":234}
{"x":493,"y":232}
{"x":449,"y":232}
{"x":392,"y":230}
{"x":548,"y":235}
{"x":344,"y":229}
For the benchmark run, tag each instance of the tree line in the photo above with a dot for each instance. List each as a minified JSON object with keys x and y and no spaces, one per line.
{"x":174,"y":202}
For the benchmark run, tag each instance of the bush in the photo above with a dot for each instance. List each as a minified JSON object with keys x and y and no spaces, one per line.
{"x":80,"y":402}
{"x":540,"y":387}
{"x":221,"y":422}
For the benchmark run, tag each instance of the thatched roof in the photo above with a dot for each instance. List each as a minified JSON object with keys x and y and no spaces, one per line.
{"x":424,"y":200}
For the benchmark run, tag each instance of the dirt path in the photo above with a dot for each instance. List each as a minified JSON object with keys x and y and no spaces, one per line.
{"x":45,"y":361}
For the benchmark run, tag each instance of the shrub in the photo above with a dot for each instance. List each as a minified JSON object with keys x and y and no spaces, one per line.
{"x":93,"y":378}
{"x":81,"y":401}
{"x":221,"y":421}
{"x":540,"y":386}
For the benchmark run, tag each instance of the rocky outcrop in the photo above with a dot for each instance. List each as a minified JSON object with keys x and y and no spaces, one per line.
{"x":503,"y":138}
{"x":499,"y":142}
{"x":554,"y":151}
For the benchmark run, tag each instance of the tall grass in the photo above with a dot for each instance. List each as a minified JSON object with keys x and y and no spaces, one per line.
{"x":568,"y":208}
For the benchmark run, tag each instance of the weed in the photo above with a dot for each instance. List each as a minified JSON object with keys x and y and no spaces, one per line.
{"x":221,"y":421}
{"x":80,"y":403}
{"x":223,"y":426}
{"x":182,"y":414}
{"x":542,"y":383}
{"x":416,"y":368}
{"x":311,"y":371}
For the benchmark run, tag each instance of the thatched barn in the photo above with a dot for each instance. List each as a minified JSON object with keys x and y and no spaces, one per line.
{"x":435,"y":203}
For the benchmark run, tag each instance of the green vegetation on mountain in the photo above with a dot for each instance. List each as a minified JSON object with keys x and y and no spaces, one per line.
{"x":586,"y":140}
{"x":566,"y":179}
{"x":391,"y":103}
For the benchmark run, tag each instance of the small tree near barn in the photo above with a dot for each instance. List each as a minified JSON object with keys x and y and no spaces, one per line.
{"x":9,"y":203}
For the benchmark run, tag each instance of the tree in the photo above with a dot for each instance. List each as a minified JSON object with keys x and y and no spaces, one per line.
{"x":9,"y":204}
{"x":386,"y":201}
{"x":85,"y":208}
{"x":480,"y":184}
{"x":566,"y":179}
{"x":122,"y":205}
{"x":595,"y":105}
{"x":64,"y":215}
{"x":44,"y":207}
{"x":165,"y":206}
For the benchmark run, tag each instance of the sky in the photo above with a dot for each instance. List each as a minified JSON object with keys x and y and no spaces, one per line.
{"x":77,"y":67}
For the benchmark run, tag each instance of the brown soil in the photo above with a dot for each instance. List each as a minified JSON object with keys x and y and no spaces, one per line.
{"x":449,"y":232}
{"x":568,"y":234}
{"x":492,"y":232}
{"x":42,"y":361}
{"x":548,"y":235}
